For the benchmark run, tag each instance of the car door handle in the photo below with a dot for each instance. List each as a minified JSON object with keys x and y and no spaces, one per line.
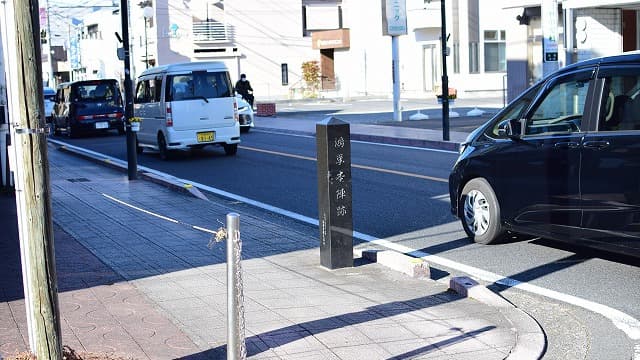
{"x":598,"y":145}
{"x":566,"y":145}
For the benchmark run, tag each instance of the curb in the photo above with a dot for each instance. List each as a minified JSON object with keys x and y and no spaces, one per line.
{"x":530,"y":343}
{"x":117,"y":164}
{"x":431,"y":144}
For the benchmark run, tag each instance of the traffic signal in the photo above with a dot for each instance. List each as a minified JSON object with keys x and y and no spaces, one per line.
{"x":43,"y":36}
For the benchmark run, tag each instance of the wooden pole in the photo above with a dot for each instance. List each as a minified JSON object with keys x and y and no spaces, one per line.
{"x":32,"y":186}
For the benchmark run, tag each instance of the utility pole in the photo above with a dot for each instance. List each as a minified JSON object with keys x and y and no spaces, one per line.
{"x":33,"y":194}
{"x":132,"y":160}
{"x":52,"y":79}
{"x":445,"y":77}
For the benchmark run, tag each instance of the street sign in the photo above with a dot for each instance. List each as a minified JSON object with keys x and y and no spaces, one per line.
{"x":394,"y":19}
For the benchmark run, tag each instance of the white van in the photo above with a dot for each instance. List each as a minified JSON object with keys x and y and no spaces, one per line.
{"x":186,"y":105}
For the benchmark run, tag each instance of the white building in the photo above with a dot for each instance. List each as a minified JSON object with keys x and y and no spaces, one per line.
{"x":269,"y":41}
{"x":587,"y":28}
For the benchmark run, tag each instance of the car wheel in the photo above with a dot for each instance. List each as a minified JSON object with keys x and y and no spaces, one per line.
{"x":230,"y":149}
{"x":162,"y":148}
{"x":480,"y":212}
{"x":244,"y":129}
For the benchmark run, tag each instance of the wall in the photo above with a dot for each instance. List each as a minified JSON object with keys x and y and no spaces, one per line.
{"x":598,"y":32}
{"x":99,"y":56}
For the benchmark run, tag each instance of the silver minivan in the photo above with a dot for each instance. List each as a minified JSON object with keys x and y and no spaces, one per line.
{"x":186,"y":105}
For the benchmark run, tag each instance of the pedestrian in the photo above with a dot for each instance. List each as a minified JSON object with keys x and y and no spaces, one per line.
{"x":243,"y":87}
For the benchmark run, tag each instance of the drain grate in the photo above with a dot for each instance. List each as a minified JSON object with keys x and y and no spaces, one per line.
{"x":79,"y":180}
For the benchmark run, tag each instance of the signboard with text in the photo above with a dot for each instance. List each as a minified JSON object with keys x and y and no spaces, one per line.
{"x":334,"y":193}
{"x":394,"y":17}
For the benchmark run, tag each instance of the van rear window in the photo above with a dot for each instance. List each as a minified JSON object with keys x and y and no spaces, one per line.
{"x":96,"y":92}
{"x":198,"y":85}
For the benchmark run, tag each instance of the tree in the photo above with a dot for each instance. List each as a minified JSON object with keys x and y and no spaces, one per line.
{"x":311,"y":76}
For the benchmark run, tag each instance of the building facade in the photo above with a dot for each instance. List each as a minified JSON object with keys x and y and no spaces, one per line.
{"x":269,"y":41}
{"x":495,"y":47}
{"x":587,"y":28}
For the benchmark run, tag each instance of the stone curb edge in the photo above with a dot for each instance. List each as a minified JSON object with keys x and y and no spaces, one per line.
{"x":431,"y":144}
{"x":116,"y":164}
{"x":531,"y":342}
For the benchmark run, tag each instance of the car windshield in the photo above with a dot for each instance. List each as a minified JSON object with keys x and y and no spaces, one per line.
{"x":99,"y":91}
{"x":198,"y":85}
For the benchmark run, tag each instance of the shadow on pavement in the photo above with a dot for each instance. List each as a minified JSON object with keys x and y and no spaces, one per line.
{"x":260,"y":343}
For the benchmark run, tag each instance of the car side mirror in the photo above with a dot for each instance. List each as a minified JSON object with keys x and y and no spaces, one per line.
{"x":511,"y":128}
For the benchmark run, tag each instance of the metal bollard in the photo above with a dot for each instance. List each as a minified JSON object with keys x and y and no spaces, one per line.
{"x":236,"y":347}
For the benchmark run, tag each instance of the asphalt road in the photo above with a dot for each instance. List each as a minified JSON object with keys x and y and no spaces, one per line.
{"x":401,"y":194}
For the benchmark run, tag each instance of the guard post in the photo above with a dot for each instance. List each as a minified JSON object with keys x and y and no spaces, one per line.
{"x":335,"y":217}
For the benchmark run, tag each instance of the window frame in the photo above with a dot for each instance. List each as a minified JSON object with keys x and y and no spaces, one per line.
{"x":500,"y":39}
{"x":587,"y":112}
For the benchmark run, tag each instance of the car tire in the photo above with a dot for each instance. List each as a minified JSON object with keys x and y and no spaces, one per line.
{"x":244,"y":130}
{"x":162,"y":148}
{"x":230,"y":149}
{"x":480,"y":212}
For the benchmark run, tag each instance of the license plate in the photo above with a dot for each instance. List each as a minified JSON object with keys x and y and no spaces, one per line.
{"x":102,"y":125}
{"x":206,"y":136}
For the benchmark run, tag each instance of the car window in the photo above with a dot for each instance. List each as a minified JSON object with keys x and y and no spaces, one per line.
{"x":561,"y":108}
{"x":620,"y":102}
{"x":198,"y":85}
{"x":513,"y":110}
{"x":141,"y":92}
{"x":98,"y":91}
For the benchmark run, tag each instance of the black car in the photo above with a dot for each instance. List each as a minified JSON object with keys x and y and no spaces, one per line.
{"x":562,"y":161}
{"x":88,"y":106}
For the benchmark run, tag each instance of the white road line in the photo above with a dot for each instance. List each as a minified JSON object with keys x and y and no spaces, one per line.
{"x":626,"y":323}
{"x":360,"y":142}
{"x":364,"y":167}
{"x":158,"y":215}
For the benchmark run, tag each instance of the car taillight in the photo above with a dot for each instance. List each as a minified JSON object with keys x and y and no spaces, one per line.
{"x":115,"y":115}
{"x":85,"y":117}
{"x":235,"y":111}
{"x":169,"y":116}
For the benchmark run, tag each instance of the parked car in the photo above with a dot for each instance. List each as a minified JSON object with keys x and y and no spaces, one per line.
{"x":88,"y":106}
{"x":561,"y":161}
{"x":49,"y":102}
{"x":186,"y":105}
{"x":245,"y":114}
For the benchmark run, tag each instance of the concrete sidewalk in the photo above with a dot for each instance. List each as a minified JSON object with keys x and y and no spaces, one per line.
{"x":395,"y":135}
{"x":137,"y":279}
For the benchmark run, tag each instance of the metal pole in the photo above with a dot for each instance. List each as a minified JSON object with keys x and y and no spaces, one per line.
{"x":236,"y":348}
{"x":445,"y":78}
{"x":146,"y":48}
{"x":395,"y":50}
{"x":51,"y":78}
{"x":132,"y":161}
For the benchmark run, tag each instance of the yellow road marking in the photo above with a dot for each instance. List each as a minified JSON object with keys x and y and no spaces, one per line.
{"x":364,"y":167}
